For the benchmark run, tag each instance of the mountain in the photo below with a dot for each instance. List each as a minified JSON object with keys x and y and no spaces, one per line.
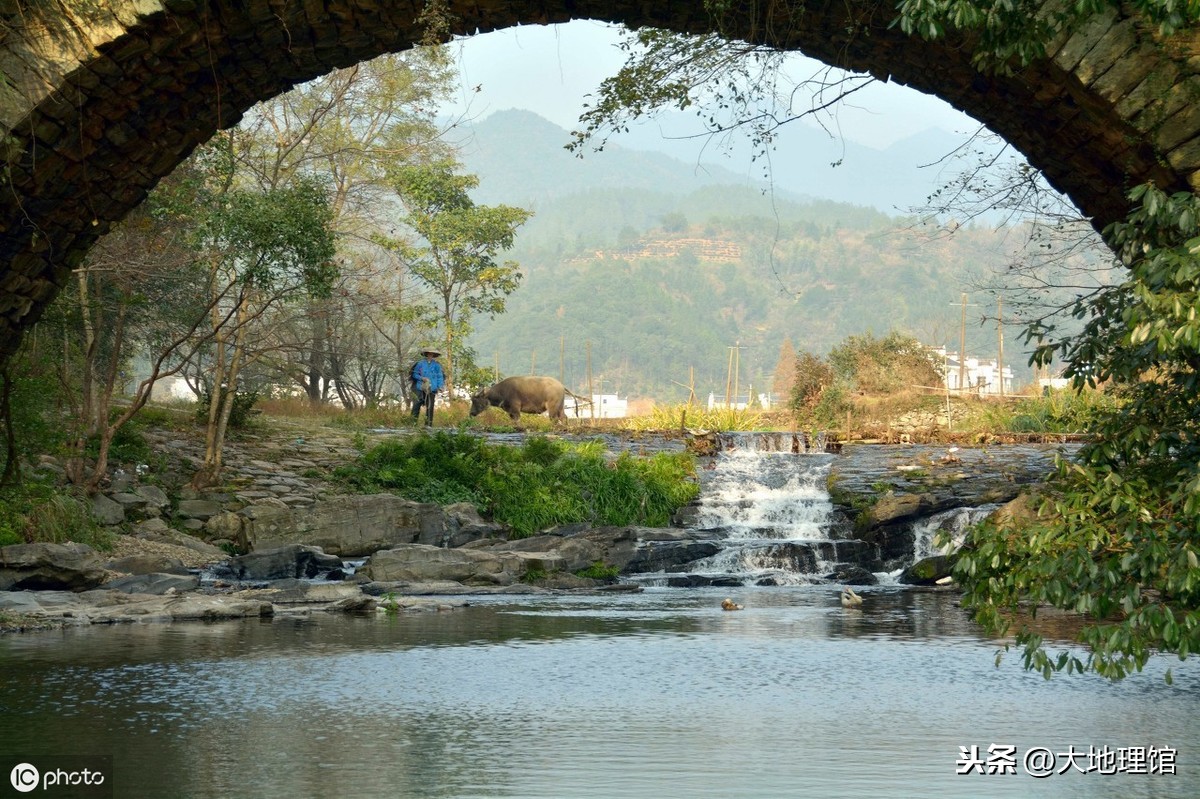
{"x":522,"y":159}
{"x":806,"y":161}
{"x":661,"y":276}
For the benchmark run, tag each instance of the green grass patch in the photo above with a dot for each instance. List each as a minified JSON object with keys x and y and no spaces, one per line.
{"x":540,"y":484}
{"x":36,"y":513}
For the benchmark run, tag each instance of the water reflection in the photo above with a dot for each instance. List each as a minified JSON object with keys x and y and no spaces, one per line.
{"x":656,"y":694}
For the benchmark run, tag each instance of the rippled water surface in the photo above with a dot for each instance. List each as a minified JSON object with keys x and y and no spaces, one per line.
{"x":659,"y":694}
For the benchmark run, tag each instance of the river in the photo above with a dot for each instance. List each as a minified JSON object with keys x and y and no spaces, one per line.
{"x":654,"y":694}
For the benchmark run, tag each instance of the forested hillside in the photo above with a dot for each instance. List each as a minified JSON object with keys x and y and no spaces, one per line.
{"x":664,"y":270}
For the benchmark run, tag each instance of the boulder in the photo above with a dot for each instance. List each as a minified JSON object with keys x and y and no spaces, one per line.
{"x":107,"y":512}
{"x":153,"y":496}
{"x":199,"y":509}
{"x":892,"y":508}
{"x":279,"y":564}
{"x":225,"y":526}
{"x":421,"y":563}
{"x":463,"y":526}
{"x":349,"y":526}
{"x":928,"y":571}
{"x":50,"y":567}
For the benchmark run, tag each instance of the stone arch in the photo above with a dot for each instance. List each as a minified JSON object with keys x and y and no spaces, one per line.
{"x":97,"y":107}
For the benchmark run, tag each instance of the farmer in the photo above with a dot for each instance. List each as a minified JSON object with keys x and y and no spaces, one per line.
{"x":427,"y":377}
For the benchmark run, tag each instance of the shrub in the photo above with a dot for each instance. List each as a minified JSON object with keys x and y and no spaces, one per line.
{"x":543,"y":483}
{"x":39,"y":513}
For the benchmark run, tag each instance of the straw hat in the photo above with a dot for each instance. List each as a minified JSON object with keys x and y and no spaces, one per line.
{"x":429,"y":351}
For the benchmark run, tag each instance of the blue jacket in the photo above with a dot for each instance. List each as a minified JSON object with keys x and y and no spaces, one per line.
{"x":430,"y":369}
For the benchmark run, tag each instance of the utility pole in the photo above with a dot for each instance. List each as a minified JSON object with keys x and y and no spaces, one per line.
{"x":731,"y":372}
{"x":728,"y":377}
{"x":533,"y":362}
{"x":562,"y":359}
{"x":962,"y":348}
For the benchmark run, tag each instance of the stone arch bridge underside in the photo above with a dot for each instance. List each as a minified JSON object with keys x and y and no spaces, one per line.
{"x":98,"y":107}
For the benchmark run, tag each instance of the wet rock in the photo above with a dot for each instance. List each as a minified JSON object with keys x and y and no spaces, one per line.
{"x":703,"y":581}
{"x":928,"y":571}
{"x":668,"y":550}
{"x":281,"y":563}
{"x":893,"y":508}
{"x":852,"y":574}
{"x":50,"y":567}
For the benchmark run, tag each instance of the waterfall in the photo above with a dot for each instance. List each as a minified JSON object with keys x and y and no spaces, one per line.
{"x":765,"y":497}
{"x":765,"y":505}
{"x":949,"y":526}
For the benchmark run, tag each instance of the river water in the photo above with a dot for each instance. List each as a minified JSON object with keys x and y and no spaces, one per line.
{"x":656,"y":694}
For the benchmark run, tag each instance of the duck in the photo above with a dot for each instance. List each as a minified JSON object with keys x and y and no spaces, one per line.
{"x":729,"y":604}
{"x":849,"y":598}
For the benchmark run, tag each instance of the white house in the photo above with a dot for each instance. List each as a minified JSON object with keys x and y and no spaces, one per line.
{"x":978,"y":377}
{"x":604,"y":406}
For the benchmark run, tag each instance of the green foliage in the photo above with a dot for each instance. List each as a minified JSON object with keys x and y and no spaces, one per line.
{"x":886,"y":365}
{"x":36,"y":512}
{"x":281,"y":234}
{"x":1013,"y":33}
{"x":29,"y":394}
{"x":543,"y":483}
{"x":811,"y":376}
{"x":1116,"y":537}
{"x":599,"y":571}
{"x":1064,"y":411}
{"x":239,"y":415}
{"x":128,"y":445}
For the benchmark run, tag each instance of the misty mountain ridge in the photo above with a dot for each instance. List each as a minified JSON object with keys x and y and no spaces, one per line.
{"x":522,"y":159}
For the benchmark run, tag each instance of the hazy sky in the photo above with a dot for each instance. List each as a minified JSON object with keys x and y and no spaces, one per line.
{"x":550,"y":69}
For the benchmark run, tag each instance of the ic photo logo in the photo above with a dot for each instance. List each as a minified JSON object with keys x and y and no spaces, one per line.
{"x":82,"y":776}
{"x":24,"y":777}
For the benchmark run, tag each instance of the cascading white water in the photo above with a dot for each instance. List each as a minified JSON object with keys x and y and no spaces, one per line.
{"x":768,"y":499}
{"x":943,"y":532}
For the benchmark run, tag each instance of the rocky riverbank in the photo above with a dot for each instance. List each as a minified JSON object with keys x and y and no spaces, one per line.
{"x":308,"y":548}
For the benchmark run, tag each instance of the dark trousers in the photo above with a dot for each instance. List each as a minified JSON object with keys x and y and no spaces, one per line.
{"x":424,"y":398}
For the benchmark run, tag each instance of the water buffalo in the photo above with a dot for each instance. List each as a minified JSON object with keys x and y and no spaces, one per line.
{"x":518,"y":395}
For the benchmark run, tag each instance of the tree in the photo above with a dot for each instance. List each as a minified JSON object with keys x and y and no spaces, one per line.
{"x":269,"y":247}
{"x":350,"y":126}
{"x":785,"y":370}
{"x":811,"y":376}
{"x":458,"y":245}
{"x":1115,"y":537}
